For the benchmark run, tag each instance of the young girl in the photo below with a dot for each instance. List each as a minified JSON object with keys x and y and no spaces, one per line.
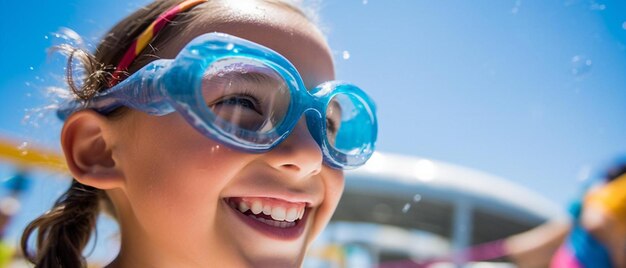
{"x":213,"y":132}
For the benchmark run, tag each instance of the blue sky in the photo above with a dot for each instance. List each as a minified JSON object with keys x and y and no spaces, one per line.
{"x":531,"y":91}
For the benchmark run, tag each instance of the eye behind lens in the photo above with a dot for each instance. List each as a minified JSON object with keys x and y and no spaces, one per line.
{"x":247,"y":93}
{"x":349,"y":127}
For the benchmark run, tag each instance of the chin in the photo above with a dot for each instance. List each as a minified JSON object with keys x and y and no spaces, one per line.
{"x":277,"y":260}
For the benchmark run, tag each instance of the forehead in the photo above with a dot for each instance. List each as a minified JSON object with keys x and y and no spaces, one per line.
{"x":272,"y":25}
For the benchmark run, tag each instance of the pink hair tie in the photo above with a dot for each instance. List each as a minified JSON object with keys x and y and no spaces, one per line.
{"x":144,"y":38}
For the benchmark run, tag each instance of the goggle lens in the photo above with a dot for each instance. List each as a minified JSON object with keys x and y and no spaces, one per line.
{"x":349,"y":125}
{"x":246,"y":93}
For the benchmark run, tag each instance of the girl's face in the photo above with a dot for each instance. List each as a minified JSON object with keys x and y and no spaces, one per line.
{"x":179,"y":204}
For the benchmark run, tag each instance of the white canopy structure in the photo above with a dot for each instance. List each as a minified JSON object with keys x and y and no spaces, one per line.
{"x":455,"y":207}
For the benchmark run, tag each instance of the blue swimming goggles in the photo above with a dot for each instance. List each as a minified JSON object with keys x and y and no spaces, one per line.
{"x":248,"y":97}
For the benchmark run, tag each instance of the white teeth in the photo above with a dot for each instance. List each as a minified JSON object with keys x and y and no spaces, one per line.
{"x":267,"y":210}
{"x":292,"y":214}
{"x":301,"y":213}
{"x":281,"y":214}
{"x":243,"y":207}
{"x":257,"y":207}
{"x":278,"y":213}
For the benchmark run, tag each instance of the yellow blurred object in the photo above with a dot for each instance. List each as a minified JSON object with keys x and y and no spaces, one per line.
{"x":31,"y":157}
{"x":611,"y":198}
{"x":6,"y":254}
{"x":332,"y":253}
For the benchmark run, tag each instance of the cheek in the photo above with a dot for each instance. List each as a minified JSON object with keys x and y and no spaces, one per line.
{"x":175,"y":176}
{"x":333,"y":189}
{"x":334,"y":183}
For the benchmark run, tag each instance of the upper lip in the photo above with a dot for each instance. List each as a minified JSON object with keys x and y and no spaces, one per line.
{"x":276,"y":189}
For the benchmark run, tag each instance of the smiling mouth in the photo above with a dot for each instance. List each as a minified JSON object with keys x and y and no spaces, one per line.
{"x":274,"y":218}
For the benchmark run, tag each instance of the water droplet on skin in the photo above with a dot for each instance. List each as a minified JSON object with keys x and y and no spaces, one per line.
{"x":581,"y":65}
{"x":406,"y":207}
{"x":346,"y":55}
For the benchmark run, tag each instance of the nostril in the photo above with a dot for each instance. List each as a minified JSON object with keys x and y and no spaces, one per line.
{"x":291,"y":167}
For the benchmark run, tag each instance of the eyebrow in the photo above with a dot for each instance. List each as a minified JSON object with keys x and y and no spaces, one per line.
{"x":255,"y":77}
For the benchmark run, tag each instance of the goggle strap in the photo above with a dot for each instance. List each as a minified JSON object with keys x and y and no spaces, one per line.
{"x":147,"y":35}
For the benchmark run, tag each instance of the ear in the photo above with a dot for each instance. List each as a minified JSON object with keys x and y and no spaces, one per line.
{"x":87,"y":148}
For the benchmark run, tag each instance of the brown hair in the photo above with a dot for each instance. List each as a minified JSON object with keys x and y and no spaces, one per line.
{"x":63,"y":232}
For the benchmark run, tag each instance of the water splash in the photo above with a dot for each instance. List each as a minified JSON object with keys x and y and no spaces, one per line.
{"x":580,"y":65}
{"x":58,"y":92}
{"x":48,"y":88}
{"x":23,"y":148}
{"x":595,"y":6}
{"x":345,"y":55}
{"x":406,"y":207}
{"x":516,"y":7}
{"x":34,"y":117}
{"x":68,"y":36}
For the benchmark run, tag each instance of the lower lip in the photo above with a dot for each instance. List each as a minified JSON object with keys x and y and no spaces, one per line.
{"x":289,"y":233}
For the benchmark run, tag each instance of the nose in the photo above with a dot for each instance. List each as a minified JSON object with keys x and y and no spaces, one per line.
{"x":298,"y":155}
